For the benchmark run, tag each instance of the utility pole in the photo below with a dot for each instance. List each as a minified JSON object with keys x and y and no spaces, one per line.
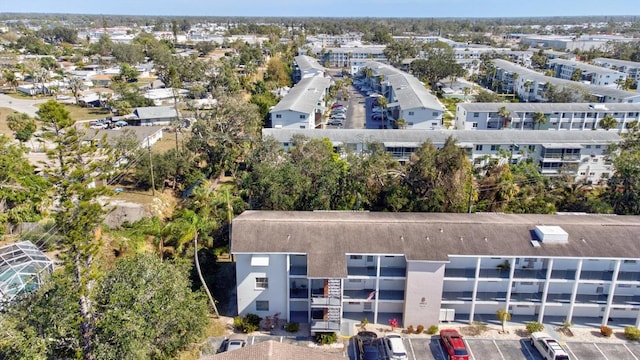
{"x":153,"y":183}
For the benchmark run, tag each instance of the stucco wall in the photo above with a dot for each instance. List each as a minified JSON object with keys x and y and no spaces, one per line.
{"x":423,"y":293}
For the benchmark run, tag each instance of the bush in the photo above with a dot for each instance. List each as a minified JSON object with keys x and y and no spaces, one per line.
{"x":248,"y":324}
{"x":433,"y":329}
{"x":326,"y":338}
{"x":534,"y":326}
{"x":419,"y":329}
{"x":632,"y":333}
{"x":410,"y":329}
{"x":606,"y":331}
{"x":292,"y":327}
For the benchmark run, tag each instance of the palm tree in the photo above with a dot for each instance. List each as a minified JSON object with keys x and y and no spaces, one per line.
{"x":382,"y":103}
{"x":505,"y":115}
{"x":620,"y":82}
{"x":527,"y":86}
{"x":539,"y":119}
{"x":514,"y":78}
{"x":608,"y":122}
{"x":76,"y":85}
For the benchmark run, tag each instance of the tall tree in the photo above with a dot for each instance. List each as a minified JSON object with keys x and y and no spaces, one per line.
{"x":623,"y":188}
{"x":22,"y":125}
{"x":608,"y":122}
{"x":73,"y":168}
{"x":539,"y":119}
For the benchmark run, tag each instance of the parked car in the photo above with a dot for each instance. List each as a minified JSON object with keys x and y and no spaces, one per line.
{"x":548,"y":347}
{"x":395,"y":347}
{"x":339,"y":116}
{"x":337,"y":106}
{"x":231,"y":344}
{"x":337,"y":122}
{"x":368,"y":345}
{"x":454,"y":345}
{"x":339,"y":111}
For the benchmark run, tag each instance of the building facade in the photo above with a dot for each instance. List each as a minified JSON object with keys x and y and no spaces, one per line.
{"x":580,"y":154}
{"x":595,"y":75}
{"x":334,"y":268}
{"x":303,"y":106}
{"x":631,"y":68}
{"x":558,"y":116}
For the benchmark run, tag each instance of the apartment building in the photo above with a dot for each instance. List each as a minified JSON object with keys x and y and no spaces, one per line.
{"x":632,"y":69}
{"x":531,"y":86}
{"x":591,"y":74}
{"x":306,"y":66}
{"x":331,"y":269}
{"x":581,"y":154}
{"x":558,"y":116}
{"x":407,"y":96}
{"x":303,"y":106}
{"x":351,"y":57}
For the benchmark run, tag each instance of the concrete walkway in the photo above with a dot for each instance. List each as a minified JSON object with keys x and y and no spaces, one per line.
{"x":28,"y":106}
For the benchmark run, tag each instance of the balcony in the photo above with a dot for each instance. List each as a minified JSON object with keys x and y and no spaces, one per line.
{"x":364,"y":294}
{"x":494,"y":273}
{"x":322,"y":301}
{"x":626,"y":300}
{"x":559,"y":298}
{"x":629,"y":276}
{"x":526,"y":297}
{"x":530,"y":274}
{"x":596,"y":275}
{"x":459,"y":273}
{"x":322,"y":326}
{"x":457,"y":296}
{"x":591,"y":299}
{"x":361,"y":271}
{"x":299,"y":293}
{"x":393,"y":271}
{"x":491,"y":296}
{"x":563,"y":274}
{"x":298,"y":270}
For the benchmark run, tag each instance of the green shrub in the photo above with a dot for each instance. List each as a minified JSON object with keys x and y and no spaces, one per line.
{"x":433,"y":329}
{"x":247,"y":324}
{"x":534,"y":326}
{"x":326,"y":338}
{"x":292,"y":327}
{"x":606,"y":331}
{"x":419,"y":329}
{"x":410,"y":329}
{"x":632,"y":333}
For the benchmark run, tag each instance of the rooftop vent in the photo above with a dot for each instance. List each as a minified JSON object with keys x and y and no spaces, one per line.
{"x":551,"y":234}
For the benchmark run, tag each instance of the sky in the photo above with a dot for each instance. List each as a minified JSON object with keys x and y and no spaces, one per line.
{"x":330,"y":8}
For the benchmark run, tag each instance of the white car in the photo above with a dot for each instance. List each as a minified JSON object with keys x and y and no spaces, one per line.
{"x":336,"y":122}
{"x":395,"y":347}
{"x":339,"y":116}
{"x":548,"y":347}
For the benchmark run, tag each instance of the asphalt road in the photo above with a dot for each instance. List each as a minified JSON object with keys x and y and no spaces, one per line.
{"x":28,"y":106}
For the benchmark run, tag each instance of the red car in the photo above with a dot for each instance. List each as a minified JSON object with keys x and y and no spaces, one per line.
{"x":454,"y":345}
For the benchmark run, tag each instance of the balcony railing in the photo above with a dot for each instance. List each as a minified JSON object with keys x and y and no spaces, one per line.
{"x":494,"y":273}
{"x":596,"y":275}
{"x":361,"y":270}
{"x":563,"y":274}
{"x":298,"y":270}
{"x":530,"y":274}
{"x":629,"y":276}
{"x":325,"y":301}
{"x":459,"y":273}
{"x":626,"y":300}
{"x":322,"y":325}
{"x":559,"y":298}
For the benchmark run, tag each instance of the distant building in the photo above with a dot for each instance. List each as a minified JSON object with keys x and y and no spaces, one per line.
{"x":591,"y":74}
{"x":153,"y":116}
{"x":632,"y":69}
{"x":306,"y":66}
{"x":303,"y":106}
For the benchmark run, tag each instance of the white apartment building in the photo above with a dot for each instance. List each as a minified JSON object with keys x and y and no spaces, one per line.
{"x":306,"y":66}
{"x":331,"y":269}
{"x":632,"y":69}
{"x":591,"y":74}
{"x":407,"y":96}
{"x":530,"y":85}
{"x":303,"y":106}
{"x":559,"y":116}
{"x":349,"y":57}
{"x":581,"y":154}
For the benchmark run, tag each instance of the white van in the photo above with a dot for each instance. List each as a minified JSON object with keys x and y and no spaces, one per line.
{"x":395,"y":348}
{"x":548,"y":347}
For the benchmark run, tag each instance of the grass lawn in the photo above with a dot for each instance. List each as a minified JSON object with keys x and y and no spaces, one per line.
{"x":82,"y":113}
{"x":169,"y":141}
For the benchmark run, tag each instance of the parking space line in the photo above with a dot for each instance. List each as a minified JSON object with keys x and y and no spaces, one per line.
{"x":572,"y":353}
{"x":605,"y":356}
{"x":470,"y":352}
{"x":497,"y":347}
{"x":281,"y":338}
{"x":629,"y":350}
{"x":411,"y":347}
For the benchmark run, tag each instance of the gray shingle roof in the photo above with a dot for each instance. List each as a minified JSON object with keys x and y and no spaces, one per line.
{"x":306,"y":63}
{"x":355,"y":136}
{"x":527,"y":74}
{"x":327,"y":236}
{"x":155,"y":112}
{"x":304,"y":96}
{"x":552,"y":107}
{"x":410,"y":92}
{"x":617,"y":62}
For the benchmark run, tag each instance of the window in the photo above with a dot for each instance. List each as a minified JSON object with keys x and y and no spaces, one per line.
{"x":411,"y":113}
{"x":475,"y":114}
{"x":262,"y":305}
{"x":495,"y":147}
{"x":475,"y":125}
{"x":278,"y":116}
{"x":532,"y":148}
{"x":262,"y":283}
{"x":355,"y":257}
{"x":435,"y":113}
{"x":598,"y":146}
{"x":478,"y":147}
{"x":588,"y":146}
{"x":303,"y":116}
{"x":605,"y":175}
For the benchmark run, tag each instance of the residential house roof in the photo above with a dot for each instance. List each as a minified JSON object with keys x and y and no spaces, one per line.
{"x":304,"y":96}
{"x":155,"y":112}
{"x":327,"y":236}
{"x":141,"y":133}
{"x":308,"y":64}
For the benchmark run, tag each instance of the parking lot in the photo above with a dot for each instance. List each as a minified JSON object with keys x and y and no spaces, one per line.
{"x":481,"y":349}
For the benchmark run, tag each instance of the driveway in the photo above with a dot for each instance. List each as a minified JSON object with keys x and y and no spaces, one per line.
{"x":28,"y":106}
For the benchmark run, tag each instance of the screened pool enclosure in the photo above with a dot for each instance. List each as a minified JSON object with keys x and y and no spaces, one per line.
{"x":22,"y":269}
